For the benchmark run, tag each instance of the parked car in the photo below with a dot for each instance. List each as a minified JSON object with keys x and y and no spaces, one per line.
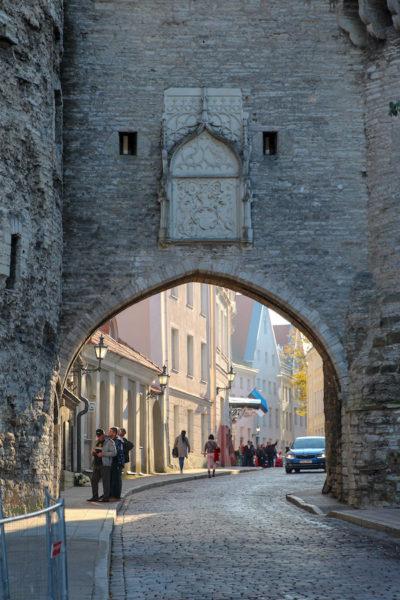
{"x":306,"y":453}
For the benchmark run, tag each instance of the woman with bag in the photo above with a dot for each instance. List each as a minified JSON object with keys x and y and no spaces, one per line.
{"x":181,"y":449}
{"x":209,"y":451}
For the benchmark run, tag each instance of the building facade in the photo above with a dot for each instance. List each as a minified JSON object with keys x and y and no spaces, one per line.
{"x":188,"y":328}
{"x":254,"y":345}
{"x":292,"y":424}
{"x":315,"y":394}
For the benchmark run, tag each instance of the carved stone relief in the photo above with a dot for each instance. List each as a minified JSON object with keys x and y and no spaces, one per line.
{"x":205,"y":192}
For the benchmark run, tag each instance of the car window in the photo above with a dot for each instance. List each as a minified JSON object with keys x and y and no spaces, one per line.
{"x":302,"y":443}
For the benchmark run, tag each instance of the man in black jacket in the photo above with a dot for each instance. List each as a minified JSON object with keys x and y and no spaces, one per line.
{"x":128,"y":446}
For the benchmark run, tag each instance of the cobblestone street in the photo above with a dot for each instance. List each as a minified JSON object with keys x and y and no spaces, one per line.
{"x":237,"y":537}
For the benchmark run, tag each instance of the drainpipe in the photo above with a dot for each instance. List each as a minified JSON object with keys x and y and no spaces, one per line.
{"x":78,"y":431}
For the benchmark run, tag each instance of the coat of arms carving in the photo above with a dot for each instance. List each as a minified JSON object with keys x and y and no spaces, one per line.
{"x":205,"y":192}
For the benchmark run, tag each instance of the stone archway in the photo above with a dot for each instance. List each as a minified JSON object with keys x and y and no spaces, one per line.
{"x":158,"y":438}
{"x":308,"y":321}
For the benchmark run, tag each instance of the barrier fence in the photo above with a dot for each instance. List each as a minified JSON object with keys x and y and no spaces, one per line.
{"x":33,"y":554}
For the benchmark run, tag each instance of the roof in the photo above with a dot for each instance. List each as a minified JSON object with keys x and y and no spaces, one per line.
{"x":282,"y":334}
{"x":124,"y":350}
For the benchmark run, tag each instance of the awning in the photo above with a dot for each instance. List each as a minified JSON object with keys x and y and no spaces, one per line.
{"x":256,"y":394}
{"x":254,"y":401}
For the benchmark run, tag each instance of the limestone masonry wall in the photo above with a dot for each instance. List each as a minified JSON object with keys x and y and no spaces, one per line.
{"x":30,"y":184}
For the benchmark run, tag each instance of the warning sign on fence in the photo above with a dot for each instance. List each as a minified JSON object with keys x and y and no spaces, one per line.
{"x":55,"y":549}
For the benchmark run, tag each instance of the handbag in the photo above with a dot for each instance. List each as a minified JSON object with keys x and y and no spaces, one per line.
{"x":175,"y":452}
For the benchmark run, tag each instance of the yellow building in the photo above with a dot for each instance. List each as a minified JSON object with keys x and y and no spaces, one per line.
{"x":315,"y":394}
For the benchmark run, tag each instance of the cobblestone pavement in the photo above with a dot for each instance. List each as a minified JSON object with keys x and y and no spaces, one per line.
{"x":237,"y":537}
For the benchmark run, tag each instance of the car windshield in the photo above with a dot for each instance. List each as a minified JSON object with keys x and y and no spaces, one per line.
{"x":303,"y":443}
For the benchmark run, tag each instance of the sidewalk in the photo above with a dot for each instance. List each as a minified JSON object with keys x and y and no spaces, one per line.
{"x":386,"y":520}
{"x":90,"y":526}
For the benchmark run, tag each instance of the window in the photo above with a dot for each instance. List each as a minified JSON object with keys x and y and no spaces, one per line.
{"x":273,"y":360}
{"x":174,"y":293}
{"x":266,"y":358}
{"x":189,"y":348}
{"x":241,"y":383}
{"x":277,"y":418}
{"x":175,"y":349}
{"x":128,"y":143}
{"x":14,"y":255}
{"x":258,"y":354}
{"x":204,"y":299}
{"x":258,"y":382}
{"x":264,"y":385}
{"x":270,"y":387}
{"x":265,"y":325}
{"x":270,"y":419}
{"x":295,"y":417}
{"x":189,"y":294}
{"x":270,"y":143}
{"x":248,"y":384}
{"x":274,"y":388}
{"x":204,"y":362}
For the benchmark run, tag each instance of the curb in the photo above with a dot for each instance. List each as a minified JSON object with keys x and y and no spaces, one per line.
{"x":311,"y":508}
{"x":363,"y":522}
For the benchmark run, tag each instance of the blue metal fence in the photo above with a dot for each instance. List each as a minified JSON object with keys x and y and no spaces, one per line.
{"x":33,"y":554}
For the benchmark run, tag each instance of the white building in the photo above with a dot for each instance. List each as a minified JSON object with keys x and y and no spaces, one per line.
{"x":254,"y":346}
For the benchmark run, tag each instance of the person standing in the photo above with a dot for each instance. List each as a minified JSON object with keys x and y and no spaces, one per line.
{"x":209,"y":450}
{"x":102,"y":453}
{"x":117,"y":465}
{"x":128,"y":446}
{"x":183,"y":448}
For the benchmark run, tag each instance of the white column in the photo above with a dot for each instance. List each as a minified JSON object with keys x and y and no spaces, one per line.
{"x":124,"y":401}
{"x":96,"y":391}
{"x":111,"y":398}
{"x":137,"y":450}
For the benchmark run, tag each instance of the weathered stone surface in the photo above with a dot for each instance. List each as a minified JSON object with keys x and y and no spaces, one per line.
{"x":324,"y":212}
{"x":31,"y":209}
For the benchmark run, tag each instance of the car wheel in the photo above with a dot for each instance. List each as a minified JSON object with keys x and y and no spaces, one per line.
{"x":288,"y":471}
{"x":297,"y":470}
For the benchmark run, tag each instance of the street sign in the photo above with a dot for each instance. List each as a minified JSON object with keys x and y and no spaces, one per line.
{"x":56,"y":549}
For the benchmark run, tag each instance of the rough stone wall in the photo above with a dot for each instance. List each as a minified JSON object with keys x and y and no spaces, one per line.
{"x":30,"y":184}
{"x":298,"y":75}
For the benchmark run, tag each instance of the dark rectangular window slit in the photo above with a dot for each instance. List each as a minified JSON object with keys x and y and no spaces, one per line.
{"x":128,"y":143}
{"x":270,"y":143}
{"x":14,"y":249}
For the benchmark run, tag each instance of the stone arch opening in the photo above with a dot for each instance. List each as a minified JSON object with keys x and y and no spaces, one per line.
{"x":306,"y":320}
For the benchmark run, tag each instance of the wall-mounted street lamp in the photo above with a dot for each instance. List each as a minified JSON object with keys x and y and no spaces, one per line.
{"x":163,"y":382}
{"x":100,"y":351}
{"x":231,"y":376}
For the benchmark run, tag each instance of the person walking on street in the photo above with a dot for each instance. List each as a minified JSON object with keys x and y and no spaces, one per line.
{"x":209,"y":450}
{"x":102,"y":453}
{"x":183,"y":448}
{"x":117,"y":465}
{"x":271,"y":453}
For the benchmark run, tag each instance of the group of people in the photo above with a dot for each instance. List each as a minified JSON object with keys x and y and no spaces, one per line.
{"x":181,"y":451}
{"x":110,"y":455}
{"x":262,"y":455}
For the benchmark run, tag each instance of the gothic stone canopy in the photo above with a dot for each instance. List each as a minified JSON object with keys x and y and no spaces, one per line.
{"x":205,"y":190}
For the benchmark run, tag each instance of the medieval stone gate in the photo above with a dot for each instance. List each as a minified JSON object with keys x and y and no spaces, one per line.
{"x":245,"y":144}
